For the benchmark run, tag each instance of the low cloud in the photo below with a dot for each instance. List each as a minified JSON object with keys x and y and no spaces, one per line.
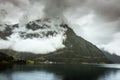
{"x":34,"y":45}
{"x":23,"y":39}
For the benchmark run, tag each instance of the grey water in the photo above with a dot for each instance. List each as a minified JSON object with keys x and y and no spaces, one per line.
{"x":60,"y":72}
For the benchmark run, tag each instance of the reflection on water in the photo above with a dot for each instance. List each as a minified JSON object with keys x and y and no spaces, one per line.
{"x":33,"y":75}
{"x":111,"y":75}
{"x":60,"y":72}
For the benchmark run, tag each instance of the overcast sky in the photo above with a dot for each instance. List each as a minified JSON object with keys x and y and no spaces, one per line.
{"x":97,"y":21}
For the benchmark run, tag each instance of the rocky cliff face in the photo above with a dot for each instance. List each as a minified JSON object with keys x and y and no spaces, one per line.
{"x":73,"y":49}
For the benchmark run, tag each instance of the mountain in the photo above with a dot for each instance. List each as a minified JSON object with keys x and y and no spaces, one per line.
{"x":68,"y":47}
{"x":112,"y":57}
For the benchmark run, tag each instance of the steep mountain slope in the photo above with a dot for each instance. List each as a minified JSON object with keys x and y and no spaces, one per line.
{"x":77,"y":50}
{"x":67,"y":47}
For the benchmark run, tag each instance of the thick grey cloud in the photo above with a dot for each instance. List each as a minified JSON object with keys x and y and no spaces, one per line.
{"x":55,"y":8}
{"x":109,"y":9}
{"x":19,"y":3}
{"x":16,"y":10}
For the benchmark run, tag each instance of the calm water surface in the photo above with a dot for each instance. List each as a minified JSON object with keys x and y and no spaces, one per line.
{"x":60,"y":72}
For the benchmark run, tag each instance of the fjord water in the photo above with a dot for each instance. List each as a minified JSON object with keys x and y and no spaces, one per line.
{"x":60,"y":72}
